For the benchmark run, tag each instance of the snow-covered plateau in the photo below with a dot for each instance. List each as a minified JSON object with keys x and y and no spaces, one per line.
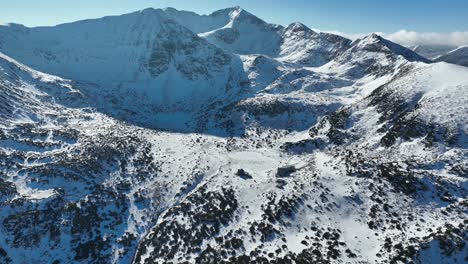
{"x":164,"y":136}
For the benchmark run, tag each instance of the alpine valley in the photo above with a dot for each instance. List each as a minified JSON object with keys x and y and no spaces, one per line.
{"x":164,"y":136}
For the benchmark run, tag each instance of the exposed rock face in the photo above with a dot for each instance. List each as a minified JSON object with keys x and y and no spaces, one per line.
{"x":199,"y":59}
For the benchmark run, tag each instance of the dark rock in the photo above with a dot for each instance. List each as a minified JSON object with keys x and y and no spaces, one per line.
{"x":286,"y":171}
{"x":243,"y":174}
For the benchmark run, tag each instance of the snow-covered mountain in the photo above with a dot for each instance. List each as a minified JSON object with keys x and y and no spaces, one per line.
{"x":438,"y":53}
{"x":457,"y":56}
{"x":139,"y":53}
{"x":372,"y":55}
{"x":238,"y":31}
{"x":279,"y":144}
{"x":154,"y":56}
{"x":432,"y":51}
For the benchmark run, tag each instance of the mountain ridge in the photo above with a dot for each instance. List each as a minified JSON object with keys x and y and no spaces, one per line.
{"x":456,"y":56}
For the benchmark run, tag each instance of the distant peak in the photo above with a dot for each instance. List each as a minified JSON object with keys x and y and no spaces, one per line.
{"x":298,"y":27}
{"x":146,"y":10}
{"x":373,"y":36}
{"x":235,"y":8}
{"x":170,"y":9}
{"x":234,"y":12}
{"x":12,"y":25}
{"x":239,"y":11}
{"x":238,"y":15}
{"x":152,"y":12}
{"x":376,"y":43}
{"x":370,"y":39}
{"x":464,"y":47}
{"x":226,"y":11}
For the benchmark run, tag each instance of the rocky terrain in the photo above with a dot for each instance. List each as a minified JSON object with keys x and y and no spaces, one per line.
{"x":164,"y":136}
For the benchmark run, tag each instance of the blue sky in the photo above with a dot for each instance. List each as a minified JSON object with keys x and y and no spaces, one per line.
{"x":351,"y":16}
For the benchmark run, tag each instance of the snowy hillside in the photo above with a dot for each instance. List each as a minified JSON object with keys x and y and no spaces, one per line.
{"x":372,"y":55}
{"x":20,"y":99}
{"x":432,"y":51}
{"x":150,"y":55}
{"x":138,"y":53}
{"x":236,"y":30}
{"x":457,"y":56}
{"x":164,"y":136}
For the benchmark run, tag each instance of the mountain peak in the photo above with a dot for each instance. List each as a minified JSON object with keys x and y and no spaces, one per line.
{"x":226,"y":11}
{"x":147,"y":10}
{"x":372,"y":38}
{"x":464,"y":47}
{"x":240,"y":13}
{"x":12,"y":25}
{"x":169,"y":9}
{"x":175,"y":12}
{"x":236,"y":13}
{"x":157,"y":12}
{"x":298,"y":27}
{"x":235,"y":8}
{"x":238,"y":8}
{"x":376,"y":43}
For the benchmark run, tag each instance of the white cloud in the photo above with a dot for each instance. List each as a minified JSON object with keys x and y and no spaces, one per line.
{"x":405,"y":37}
{"x":410,"y":38}
{"x":351,"y":36}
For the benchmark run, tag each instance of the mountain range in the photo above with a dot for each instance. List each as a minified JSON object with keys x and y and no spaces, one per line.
{"x":164,"y":136}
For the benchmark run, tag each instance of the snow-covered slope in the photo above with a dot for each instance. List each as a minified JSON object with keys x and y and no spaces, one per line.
{"x":432,"y":51}
{"x":21,"y":98}
{"x":55,"y":156}
{"x":201,"y":23}
{"x":304,"y":148}
{"x":371,"y":55}
{"x":457,"y":56}
{"x":343,"y":194}
{"x":144,"y":53}
{"x":421,"y":100}
{"x":245,"y":34}
{"x":154,"y":58}
{"x":302,"y":45}
{"x":237,"y":30}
